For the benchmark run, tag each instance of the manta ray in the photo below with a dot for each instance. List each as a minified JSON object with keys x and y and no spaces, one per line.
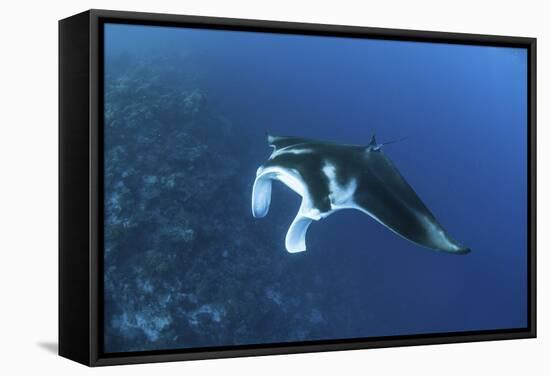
{"x":331,"y":177}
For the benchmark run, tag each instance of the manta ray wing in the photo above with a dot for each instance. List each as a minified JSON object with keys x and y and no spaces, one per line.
{"x":387,"y":197}
{"x":279,"y":142}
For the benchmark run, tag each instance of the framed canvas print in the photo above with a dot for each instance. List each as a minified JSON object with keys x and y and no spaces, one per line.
{"x":239,"y":187}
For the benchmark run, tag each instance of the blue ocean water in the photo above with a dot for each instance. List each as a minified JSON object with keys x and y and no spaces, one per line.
{"x":186,"y":115}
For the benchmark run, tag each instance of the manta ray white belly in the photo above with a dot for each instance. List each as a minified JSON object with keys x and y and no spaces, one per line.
{"x":341,"y":197}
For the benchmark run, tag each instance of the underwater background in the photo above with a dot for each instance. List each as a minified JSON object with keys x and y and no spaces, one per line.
{"x":186,"y":115}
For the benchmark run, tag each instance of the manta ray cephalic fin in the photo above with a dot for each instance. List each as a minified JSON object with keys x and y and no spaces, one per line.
{"x":295,"y":240}
{"x":261,"y":196}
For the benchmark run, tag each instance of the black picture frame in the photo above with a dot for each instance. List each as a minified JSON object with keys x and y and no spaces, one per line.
{"x":80,"y":179}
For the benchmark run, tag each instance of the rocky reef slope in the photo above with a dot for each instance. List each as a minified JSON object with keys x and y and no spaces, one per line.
{"x":185,"y":264}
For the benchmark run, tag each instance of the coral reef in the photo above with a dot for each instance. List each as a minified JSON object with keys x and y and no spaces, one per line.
{"x":184,"y":265}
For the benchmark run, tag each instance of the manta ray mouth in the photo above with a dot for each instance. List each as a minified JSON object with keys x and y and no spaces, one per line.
{"x":295,"y":240}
